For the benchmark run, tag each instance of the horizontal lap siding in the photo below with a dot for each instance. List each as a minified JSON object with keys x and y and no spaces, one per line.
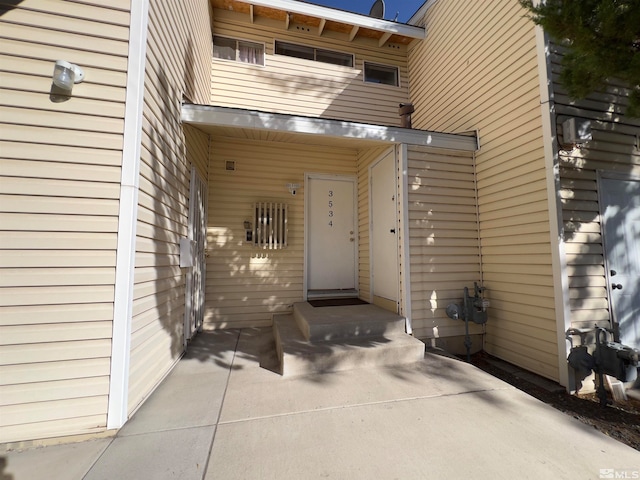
{"x":443,"y":238}
{"x":246,"y":285}
{"x":303,"y":87}
{"x":478,"y":70}
{"x":59,"y":193}
{"x":610,"y":150}
{"x":178,"y":64}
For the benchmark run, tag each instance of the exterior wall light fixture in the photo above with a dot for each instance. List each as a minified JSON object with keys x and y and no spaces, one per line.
{"x":293,"y":187}
{"x":66,"y":74}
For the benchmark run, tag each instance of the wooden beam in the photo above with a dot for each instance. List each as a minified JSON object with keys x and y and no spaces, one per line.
{"x":287,"y":20}
{"x":384,"y":38}
{"x":354,"y":32}
{"x":323,"y":22}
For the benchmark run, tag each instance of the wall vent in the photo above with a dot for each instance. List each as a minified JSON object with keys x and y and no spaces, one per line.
{"x":270,"y":225}
{"x":230,"y":165}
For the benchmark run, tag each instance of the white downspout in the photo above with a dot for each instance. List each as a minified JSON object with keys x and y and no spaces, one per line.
{"x":117,"y":412}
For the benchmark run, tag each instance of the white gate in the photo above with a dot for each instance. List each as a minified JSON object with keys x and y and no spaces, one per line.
{"x":195,"y":283}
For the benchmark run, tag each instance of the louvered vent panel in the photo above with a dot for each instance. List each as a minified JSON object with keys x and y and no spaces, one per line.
{"x":270,"y":225}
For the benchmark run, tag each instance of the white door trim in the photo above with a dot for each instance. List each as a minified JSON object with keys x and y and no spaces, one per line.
{"x":405,"y":253}
{"x":307,"y":207}
{"x":391,"y":151}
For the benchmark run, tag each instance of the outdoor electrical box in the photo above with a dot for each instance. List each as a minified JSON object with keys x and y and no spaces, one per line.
{"x":187,"y":252}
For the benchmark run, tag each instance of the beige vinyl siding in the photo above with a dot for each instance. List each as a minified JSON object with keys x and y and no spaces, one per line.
{"x":443,"y":238}
{"x":478,"y":69}
{"x":610,"y":150}
{"x":178,"y":64}
{"x":304,"y":87}
{"x":197,"y":143}
{"x":59,"y":192}
{"x":246,"y":285}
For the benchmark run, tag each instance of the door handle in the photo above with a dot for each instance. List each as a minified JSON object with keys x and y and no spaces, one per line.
{"x":618,"y":286}
{"x":393,"y":230}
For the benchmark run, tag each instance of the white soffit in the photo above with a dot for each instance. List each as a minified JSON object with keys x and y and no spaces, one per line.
{"x":205,"y":115}
{"x":331,"y":14}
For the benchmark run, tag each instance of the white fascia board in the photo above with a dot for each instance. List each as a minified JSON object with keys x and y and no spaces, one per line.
{"x":340,"y":16}
{"x":422,"y":11}
{"x":238,"y":118}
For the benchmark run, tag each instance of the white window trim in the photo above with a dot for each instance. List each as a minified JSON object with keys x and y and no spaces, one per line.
{"x":353,"y":56}
{"x":364,"y":78}
{"x":264,"y":51}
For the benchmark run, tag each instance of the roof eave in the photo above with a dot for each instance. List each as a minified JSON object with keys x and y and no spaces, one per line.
{"x":340,"y":16}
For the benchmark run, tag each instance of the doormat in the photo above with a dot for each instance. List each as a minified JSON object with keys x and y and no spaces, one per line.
{"x":336,"y":302}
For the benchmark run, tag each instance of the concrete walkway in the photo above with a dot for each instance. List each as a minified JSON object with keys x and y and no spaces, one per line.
{"x":224,"y":414}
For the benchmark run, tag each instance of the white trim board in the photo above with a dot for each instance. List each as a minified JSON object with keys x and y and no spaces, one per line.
{"x":205,"y":115}
{"x":554,"y":205}
{"x":405,"y":256}
{"x":127,"y":218}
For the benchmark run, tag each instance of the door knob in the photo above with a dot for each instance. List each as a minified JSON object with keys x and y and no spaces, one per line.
{"x":618,"y":286}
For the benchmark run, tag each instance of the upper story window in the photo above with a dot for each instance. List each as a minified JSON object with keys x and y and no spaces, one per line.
{"x":383,"y":74}
{"x":312,"y":53}
{"x":238,"y":50}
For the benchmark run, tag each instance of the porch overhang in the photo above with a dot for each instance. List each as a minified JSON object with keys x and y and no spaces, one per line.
{"x":212,"y":116}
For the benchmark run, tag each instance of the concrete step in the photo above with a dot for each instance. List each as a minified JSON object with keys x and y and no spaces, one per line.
{"x":353,"y":321}
{"x":299,"y":356}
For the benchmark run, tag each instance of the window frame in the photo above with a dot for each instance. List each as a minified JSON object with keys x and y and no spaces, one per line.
{"x":366,"y":63}
{"x":315,"y":53}
{"x":238,"y":41}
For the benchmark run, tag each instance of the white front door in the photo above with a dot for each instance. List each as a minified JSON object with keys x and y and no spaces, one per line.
{"x":197,"y":233}
{"x":384,"y":243}
{"x":621,"y":215}
{"x":331,"y":233}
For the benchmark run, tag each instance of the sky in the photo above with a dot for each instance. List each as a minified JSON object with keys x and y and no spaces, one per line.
{"x":406,"y":8}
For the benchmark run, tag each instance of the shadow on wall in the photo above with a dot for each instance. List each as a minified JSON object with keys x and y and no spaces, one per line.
{"x":324,"y":97}
{"x":6,"y":6}
{"x":168,"y":180}
{"x":170,"y":209}
{"x":232,"y":263}
{"x":588,"y":244}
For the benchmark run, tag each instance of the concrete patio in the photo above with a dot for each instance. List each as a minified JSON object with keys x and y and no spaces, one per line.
{"x":223,"y":413}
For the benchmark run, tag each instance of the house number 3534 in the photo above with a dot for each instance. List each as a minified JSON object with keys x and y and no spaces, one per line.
{"x":330,"y":205}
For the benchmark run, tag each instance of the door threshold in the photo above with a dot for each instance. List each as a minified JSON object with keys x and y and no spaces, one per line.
{"x":318,"y":294}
